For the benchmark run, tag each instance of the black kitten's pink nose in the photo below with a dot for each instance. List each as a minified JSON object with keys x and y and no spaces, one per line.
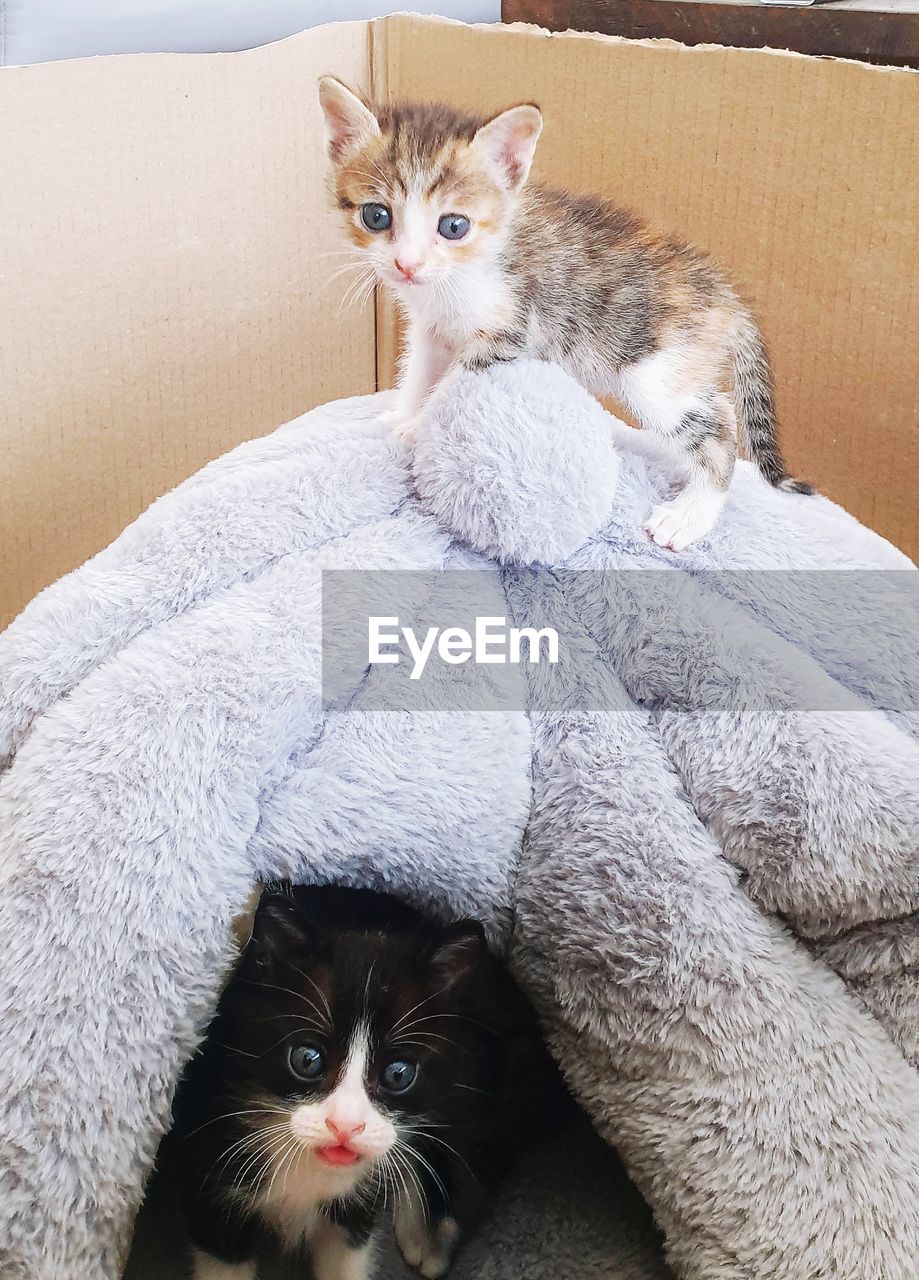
{"x":343,"y":1131}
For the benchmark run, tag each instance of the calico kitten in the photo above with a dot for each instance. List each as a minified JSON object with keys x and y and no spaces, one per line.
{"x":487,"y":266}
{"x":350,"y":1069}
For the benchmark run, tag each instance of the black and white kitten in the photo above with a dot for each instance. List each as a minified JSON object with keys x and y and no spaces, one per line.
{"x":350,"y":1070}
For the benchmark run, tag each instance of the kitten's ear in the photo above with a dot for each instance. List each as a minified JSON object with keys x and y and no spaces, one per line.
{"x":457,"y":952}
{"x":279,"y":929}
{"x":349,"y":124}
{"x":508,"y":143}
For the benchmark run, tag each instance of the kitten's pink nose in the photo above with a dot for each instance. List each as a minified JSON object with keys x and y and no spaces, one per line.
{"x":344,"y":1131}
{"x":407,"y":269}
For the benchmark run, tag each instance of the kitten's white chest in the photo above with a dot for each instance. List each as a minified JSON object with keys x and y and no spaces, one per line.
{"x":476,"y":302}
{"x":291,"y":1205}
{"x":292,"y":1216}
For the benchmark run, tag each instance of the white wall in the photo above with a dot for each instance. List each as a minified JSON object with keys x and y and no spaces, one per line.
{"x":41,"y":30}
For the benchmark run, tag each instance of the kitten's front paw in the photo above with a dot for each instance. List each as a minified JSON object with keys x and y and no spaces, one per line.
{"x":684,"y":520}
{"x":429,"y":1250}
{"x":401,"y":424}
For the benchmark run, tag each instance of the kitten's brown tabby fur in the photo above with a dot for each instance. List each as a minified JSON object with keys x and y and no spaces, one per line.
{"x":488,"y":266}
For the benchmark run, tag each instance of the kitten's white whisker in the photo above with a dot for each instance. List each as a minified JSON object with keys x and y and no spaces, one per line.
{"x":456,"y":1017}
{"x":298,"y":995}
{"x":315,"y":985}
{"x":384,"y":191}
{"x":405,"y":1165}
{"x":383,"y":1181}
{"x":358,"y":267}
{"x":357,"y":287}
{"x":230,"y":1115}
{"x":281,"y":1161}
{"x":288,"y":1035}
{"x":419,"y":1044}
{"x":289,"y":1017}
{"x":230,"y":1048}
{"x":257,"y":1138}
{"x":421,"y":1036}
{"x":431,"y":1170}
{"x":397,"y":1171}
{"x":367,"y":986}
{"x":354,"y":290}
{"x":420,"y":1005}
{"x":426,"y":1132}
{"x":266,"y":1148}
{"x":347,"y":266}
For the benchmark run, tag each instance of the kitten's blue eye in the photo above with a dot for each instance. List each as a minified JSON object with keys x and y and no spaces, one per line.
{"x":453,"y":226}
{"x":306,"y":1061}
{"x":376,"y":217}
{"x":398,"y":1076}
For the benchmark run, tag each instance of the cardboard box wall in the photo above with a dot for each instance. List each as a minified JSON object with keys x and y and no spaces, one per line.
{"x":167,"y":253}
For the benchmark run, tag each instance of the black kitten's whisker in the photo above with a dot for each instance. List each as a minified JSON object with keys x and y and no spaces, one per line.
{"x":229,"y":1115}
{"x":286,"y":1036}
{"x":401,"y":1153}
{"x":236,"y":1149}
{"x":319,"y":992}
{"x":453,"y":1151}
{"x":287,"y":1158}
{"x":298,"y":995}
{"x":404,"y":1186}
{"x":421,"y":1036}
{"x":417,"y":1044}
{"x":456,"y":1017}
{"x":367,"y":1193}
{"x":383,"y":1180}
{"x":420,"y":1005}
{"x":229,"y":1048}
{"x":301,"y":1018}
{"x":264,"y":1154}
{"x":430,"y":1168}
{"x":422,"y":1125}
{"x":370,"y":970}
{"x":239,"y":1151}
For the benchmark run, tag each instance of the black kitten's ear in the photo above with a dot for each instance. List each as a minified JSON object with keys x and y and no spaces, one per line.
{"x":279,"y":929}
{"x":457,"y":952}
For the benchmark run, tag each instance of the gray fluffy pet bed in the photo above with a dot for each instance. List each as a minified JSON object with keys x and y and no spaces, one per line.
{"x":697,"y":836}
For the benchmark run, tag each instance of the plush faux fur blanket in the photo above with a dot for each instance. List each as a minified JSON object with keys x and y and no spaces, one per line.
{"x":696,"y":833}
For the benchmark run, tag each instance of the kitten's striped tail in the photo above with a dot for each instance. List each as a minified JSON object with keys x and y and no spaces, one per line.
{"x":756,"y":409}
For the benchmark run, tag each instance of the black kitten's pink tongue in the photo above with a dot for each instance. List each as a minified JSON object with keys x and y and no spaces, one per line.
{"x":339,"y":1154}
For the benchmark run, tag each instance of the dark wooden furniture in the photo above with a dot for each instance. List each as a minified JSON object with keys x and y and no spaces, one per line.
{"x":882,"y":31}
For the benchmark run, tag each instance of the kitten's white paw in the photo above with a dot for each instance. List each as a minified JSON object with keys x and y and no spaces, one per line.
{"x":401,"y":424}
{"x":411,"y":1236}
{"x":428,"y":1250}
{"x":684,"y":520}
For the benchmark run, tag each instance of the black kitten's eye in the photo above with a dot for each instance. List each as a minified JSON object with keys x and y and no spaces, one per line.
{"x":453,"y":226}
{"x":306,"y":1061}
{"x":376,"y":217}
{"x":398,"y":1076}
